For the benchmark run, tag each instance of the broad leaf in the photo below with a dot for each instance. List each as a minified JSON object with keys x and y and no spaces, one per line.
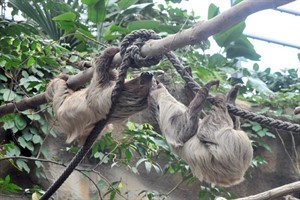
{"x":23,"y":165}
{"x":69,"y":16}
{"x":143,"y":24}
{"x":123,"y":4}
{"x":224,"y":38}
{"x":260,"y":86}
{"x":8,"y":95}
{"x":97,"y":12}
{"x":20,"y":122}
{"x":213,"y":11}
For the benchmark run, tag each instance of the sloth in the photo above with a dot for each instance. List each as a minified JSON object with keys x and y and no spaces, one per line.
{"x":214,"y":147}
{"x":76,"y":112}
{"x":297,"y":110}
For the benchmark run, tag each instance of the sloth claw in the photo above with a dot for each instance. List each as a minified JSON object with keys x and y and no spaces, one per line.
{"x":231,"y":96}
{"x":212,"y":83}
{"x":63,"y":77}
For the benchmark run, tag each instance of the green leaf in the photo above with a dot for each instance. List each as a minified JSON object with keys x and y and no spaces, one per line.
{"x":22,"y":142}
{"x":7,"y":187}
{"x":134,"y":170}
{"x":39,"y":164}
{"x":97,"y":12}
{"x":20,"y":122}
{"x":36,"y":139}
{"x":89,"y":2}
{"x":7,"y":179}
{"x":123,"y":4}
{"x":128,"y":154}
{"x":30,"y":61}
{"x":268,"y":70}
{"x":298,"y":56}
{"x":256,"y":67}
{"x":270,"y":134}
{"x":69,"y":16}
{"x":261,"y":133}
{"x":242,"y":47}
{"x":148,"y":167}
{"x":8,"y":125}
{"x":73,"y":59}
{"x":130,"y":126}
{"x":23,"y":165}
{"x":25,"y":144}
{"x":213,"y":11}
{"x":233,"y":33}
{"x":256,"y":127}
{"x":140,"y":161}
{"x":8,"y":95}
{"x":3,"y":78}
{"x":157,"y":169}
{"x":260,"y":86}
{"x":142,"y":24}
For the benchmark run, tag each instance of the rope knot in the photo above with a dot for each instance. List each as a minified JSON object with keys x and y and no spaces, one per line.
{"x":131,"y":49}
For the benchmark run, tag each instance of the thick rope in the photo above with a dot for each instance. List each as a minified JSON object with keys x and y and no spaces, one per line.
{"x":90,"y":139}
{"x":267,"y":121}
{"x":130,"y":52}
{"x":127,"y":60}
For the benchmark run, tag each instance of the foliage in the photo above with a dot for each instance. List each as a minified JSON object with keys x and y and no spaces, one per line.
{"x":232,"y":39}
{"x":7,"y":186}
{"x":28,"y":61}
{"x":58,"y":19}
{"x":138,"y":150}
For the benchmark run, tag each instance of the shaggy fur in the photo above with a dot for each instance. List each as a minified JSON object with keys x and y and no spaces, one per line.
{"x":215,"y":150}
{"x":77,"y":111}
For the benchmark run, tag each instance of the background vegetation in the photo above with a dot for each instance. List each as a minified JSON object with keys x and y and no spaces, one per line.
{"x":57,"y":34}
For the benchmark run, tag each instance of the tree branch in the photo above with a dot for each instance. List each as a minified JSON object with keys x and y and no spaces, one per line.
{"x":199,"y":32}
{"x":275,"y":193}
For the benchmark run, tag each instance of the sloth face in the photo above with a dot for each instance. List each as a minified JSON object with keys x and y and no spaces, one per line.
{"x":134,"y":96}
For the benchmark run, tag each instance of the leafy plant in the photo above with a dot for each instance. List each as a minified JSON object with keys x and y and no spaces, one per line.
{"x":7,"y":186}
{"x":56,"y":18}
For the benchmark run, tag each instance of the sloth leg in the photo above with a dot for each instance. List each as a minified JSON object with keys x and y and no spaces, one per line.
{"x":231,"y":97}
{"x":195,"y":108}
{"x":57,"y":90}
{"x":197,"y":103}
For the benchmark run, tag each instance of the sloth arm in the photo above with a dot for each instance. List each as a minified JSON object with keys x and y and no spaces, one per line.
{"x":177,"y":122}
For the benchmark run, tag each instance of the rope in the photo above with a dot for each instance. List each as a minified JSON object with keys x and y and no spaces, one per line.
{"x":130,"y":57}
{"x":130,"y":52}
{"x":267,"y":121}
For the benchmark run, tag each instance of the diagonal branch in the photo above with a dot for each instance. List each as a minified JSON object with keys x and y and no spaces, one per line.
{"x":275,"y":193}
{"x":199,"y":32}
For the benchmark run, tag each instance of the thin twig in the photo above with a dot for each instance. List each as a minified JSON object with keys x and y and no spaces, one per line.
{"x":295,"y":151}
{"x":284,"y":147}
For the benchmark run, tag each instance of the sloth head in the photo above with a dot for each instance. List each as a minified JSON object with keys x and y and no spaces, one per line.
{"x":134,"y":96}
{"x":222,"y":161}
{"x":297,"y":110}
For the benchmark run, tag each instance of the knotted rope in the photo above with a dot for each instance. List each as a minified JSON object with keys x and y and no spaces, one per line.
{"x":267,"y":121}
{"x":130,"y":58}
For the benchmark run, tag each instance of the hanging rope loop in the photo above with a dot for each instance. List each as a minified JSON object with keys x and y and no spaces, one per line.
{"x":133,"y":43}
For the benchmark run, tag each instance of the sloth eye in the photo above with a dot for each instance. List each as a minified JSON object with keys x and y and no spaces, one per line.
{"x":206,"y":142}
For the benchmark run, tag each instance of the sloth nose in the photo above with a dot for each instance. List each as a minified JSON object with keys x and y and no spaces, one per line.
{"x":146,"y":74}
{"x":146,"y":77}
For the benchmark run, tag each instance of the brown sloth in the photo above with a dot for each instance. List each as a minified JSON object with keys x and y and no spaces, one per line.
{"x":77,"y":111}
{"x":214,"y":147}
{"x":297,"y":110}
